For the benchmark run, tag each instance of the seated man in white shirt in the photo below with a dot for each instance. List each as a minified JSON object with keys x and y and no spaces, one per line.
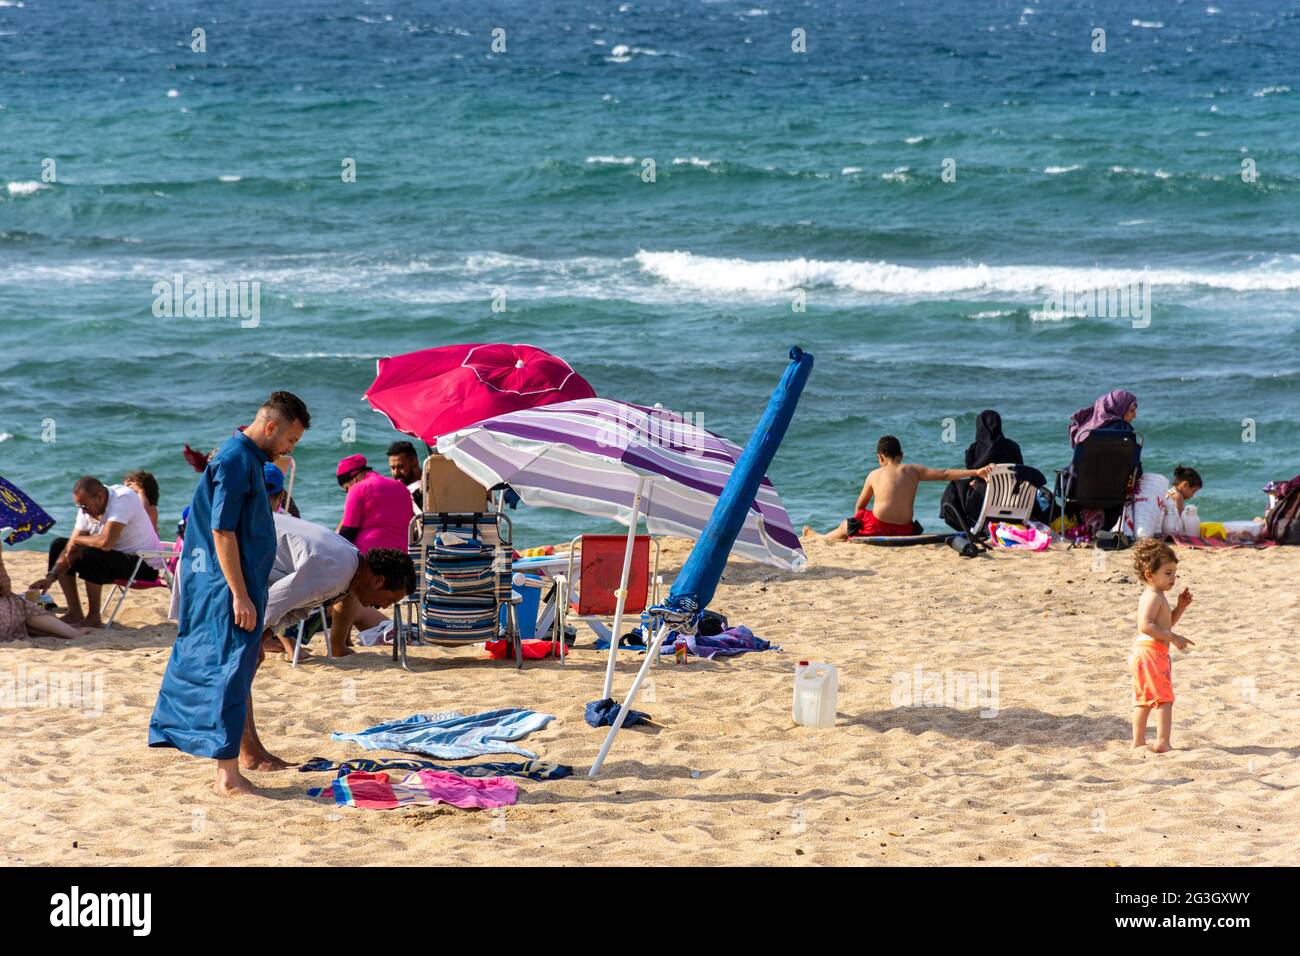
{"x":315,"y":566}
{"x":112,"y":528}
{"x":404,"y":465}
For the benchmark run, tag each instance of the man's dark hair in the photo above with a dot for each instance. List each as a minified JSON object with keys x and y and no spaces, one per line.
{"x":402,"y":448}
{"x":287,"y":407}
{"x":146,"y":481}
{"x":395,"y":567}
{"x":890,"y":447}
{"x":88,"y":484}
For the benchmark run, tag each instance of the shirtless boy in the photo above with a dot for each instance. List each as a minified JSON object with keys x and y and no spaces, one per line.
{"x":1153,"y":685}
{"x":893,"y":486}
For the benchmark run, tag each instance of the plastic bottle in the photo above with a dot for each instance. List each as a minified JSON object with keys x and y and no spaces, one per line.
{"x":679,"y":649}
{"x":816,"y":692}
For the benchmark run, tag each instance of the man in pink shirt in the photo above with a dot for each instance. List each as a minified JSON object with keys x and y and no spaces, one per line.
{"x":377,"y":514}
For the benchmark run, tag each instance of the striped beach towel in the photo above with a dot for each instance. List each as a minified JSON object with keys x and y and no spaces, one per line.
{"x":531,"y":769}
{"x":376,"y":791}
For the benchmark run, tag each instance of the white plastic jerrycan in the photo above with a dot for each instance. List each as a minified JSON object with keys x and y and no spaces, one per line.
{"x":816,"y":689}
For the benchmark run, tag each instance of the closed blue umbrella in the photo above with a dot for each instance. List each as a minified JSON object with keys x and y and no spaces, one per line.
{"x":698,"y":579}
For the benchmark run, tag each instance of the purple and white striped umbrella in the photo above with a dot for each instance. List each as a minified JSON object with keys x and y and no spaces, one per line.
{"x":587,"y":455}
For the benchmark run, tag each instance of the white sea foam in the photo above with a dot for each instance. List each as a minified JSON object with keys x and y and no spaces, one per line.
{"x":24,"y":187}
{"x":898,"y":175}
{"x":172,"y":94}
{"x":622,"y":53}
{"x":779,"y":276}
{"x":850,"y":170}
{"x":5,"y":436}
{"x":693,"y":161}
{"x":649,"y":276}
{"x":230,"y":178}
{"x":1148,"y":24}
{"x":913,"y":140}
{"x":610,"y":160}
{"x":1271,"y":90}
{"x":1057,"y":170}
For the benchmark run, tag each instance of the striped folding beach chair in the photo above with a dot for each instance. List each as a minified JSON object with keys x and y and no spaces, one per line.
{"x":464,"y":572}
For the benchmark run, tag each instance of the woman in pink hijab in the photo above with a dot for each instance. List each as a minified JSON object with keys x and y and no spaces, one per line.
{"x":1115,"y":409}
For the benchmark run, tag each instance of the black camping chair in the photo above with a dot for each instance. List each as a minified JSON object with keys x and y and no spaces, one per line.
{"x":1103,"y":473}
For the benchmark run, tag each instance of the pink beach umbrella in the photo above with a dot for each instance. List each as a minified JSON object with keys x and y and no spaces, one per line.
{"x":438,"y":391}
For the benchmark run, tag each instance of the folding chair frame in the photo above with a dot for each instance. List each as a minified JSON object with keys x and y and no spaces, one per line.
{"x":592,"y":620}
{"x":120,"y":592}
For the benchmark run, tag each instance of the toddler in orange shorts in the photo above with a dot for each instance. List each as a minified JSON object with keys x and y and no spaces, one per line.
{"x":1153,"y":685}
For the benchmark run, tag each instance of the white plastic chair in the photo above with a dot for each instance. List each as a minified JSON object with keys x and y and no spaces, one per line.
{"x":1003,"y":501}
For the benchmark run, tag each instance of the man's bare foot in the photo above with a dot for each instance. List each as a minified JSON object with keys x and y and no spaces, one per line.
{"x":233,"y":785}
{"x":75,"y":620}
{"x":92,"y":622}
{"x":344,"y":653}
{"x":264,"y":763}
{"x":1140,"y":745}
{"x":1161,"y":748}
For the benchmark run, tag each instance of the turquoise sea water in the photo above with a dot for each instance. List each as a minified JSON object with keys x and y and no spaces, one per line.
{"x":521,"y":170}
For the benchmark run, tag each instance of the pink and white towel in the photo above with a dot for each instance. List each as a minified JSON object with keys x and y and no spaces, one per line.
{"x":376,"y":791}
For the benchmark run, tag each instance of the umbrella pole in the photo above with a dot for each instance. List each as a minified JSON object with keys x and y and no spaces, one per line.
{"x":622,"y":586}
{"x":652,"y":651}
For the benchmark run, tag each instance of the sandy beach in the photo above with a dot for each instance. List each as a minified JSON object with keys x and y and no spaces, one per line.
{"x":1034,"y":769}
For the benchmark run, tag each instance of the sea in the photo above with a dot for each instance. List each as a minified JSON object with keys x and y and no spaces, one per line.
{"x":933,"y":198}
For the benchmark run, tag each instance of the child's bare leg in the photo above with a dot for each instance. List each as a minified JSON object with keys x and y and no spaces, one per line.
{"x":1164,"y":728}
{"x":49,"y":624}
{"x":839,"y":534}
{"x":1140,"y":715}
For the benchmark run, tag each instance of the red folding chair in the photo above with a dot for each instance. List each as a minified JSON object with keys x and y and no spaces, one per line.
{"x":593,"y":591}
{"x":165,"y":579}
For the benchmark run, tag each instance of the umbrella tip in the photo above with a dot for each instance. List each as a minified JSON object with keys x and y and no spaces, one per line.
{"x":519,"y":363}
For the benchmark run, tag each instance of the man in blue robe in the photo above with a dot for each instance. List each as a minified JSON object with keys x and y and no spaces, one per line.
{"x":229,"y":548}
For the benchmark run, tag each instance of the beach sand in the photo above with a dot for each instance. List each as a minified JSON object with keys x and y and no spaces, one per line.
{"x":1049,"y":779}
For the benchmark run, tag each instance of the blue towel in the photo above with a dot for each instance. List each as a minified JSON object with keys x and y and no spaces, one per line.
{"x":533,"y":769}
{"x":453,"y":736}
{"x":603,"y":713}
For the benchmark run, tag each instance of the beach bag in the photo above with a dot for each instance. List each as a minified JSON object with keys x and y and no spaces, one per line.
{"x":712,"y":623}
{"x":1282,"y":522}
